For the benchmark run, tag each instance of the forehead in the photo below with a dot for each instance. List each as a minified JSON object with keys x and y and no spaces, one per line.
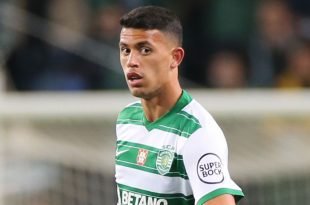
{"x":132,"y":36}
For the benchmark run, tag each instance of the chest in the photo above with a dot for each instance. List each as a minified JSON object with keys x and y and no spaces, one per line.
{"x":156,"y":151}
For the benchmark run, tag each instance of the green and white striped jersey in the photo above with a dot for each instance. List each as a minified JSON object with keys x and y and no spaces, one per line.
{"x":180,"y":159}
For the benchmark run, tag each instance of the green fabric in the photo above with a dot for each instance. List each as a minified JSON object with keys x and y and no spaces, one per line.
{"x":129,"y":160}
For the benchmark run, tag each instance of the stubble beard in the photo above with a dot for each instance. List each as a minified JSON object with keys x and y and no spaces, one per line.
{"x":144,"y":94}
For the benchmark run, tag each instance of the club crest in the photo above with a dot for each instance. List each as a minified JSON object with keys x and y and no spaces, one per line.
{"x":164,"y":161}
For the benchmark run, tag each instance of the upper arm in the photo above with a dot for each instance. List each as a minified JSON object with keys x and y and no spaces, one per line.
{"x":205,"y":159}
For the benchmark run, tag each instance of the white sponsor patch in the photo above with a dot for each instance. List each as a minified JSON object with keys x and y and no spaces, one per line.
{"x":209,"y":169}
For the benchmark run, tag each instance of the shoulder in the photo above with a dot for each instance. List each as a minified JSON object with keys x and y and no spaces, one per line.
{"x":191,"y":118}
{"x":132,"y":105}
{"x":208,"y":127}
{"x":130,"y":110}
{"x":200,"y":113}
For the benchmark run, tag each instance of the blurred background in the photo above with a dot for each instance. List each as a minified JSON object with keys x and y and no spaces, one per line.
{"x":61,"y":88}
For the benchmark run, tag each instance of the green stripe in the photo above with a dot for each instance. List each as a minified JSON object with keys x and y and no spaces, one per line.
{"x":236,"y":193}
{"x":190,"y":117}
{"x":176,"y":120}
{"x":181,"y":123}
{"x":129,"y":159}
{"x":137,"y":145}
{"x":173,"y":199}
{"x":129,"y":121}
{"x":132,"y":114}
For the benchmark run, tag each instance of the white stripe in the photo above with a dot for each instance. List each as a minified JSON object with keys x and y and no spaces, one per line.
{"x":157,"y":183}
{"x":132,"y":103}
{"x":136,"y":106}
{"x":179,"y":173}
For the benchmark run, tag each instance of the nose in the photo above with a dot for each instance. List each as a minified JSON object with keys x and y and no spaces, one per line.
{"x":132,"y":60}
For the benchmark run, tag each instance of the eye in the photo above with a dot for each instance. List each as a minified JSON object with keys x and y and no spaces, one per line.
{"x":145,"y":50}
{"x":125,"y":51}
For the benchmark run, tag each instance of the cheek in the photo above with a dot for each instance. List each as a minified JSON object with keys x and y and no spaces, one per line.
{"x":162,"y":75}
{"x":122,"y":61}
{"x":160,"y":68}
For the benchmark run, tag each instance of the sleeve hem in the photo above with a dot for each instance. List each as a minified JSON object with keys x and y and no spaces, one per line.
{"x":238,"y":194}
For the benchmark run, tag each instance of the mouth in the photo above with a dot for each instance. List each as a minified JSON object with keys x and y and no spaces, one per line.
{"x":132,"y":76}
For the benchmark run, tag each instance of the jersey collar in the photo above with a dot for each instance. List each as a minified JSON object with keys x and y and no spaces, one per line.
{"x":184,"y":100}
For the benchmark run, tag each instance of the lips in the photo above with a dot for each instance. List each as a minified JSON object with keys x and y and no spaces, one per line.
{"x":132,"y":76}
{"x":134,"y":79}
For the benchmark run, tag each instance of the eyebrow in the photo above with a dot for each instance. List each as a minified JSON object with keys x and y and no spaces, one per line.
{"x":122,"y":44}
{"x":143,"y":43}
{"x":139,"y":44}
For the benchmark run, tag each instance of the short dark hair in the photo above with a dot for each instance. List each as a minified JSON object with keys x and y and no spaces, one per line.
{"x":154,"y":17}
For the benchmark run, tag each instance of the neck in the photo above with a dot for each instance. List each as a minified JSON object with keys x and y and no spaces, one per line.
{"x":161,"y":104}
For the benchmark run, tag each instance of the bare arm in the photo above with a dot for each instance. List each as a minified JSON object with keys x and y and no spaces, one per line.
{"x":225,"y":199}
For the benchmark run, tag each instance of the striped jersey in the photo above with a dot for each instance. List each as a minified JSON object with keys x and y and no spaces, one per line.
{"x":179,"y":159}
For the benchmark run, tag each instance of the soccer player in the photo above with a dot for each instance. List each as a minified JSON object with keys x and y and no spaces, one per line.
{"x":170,"y":151}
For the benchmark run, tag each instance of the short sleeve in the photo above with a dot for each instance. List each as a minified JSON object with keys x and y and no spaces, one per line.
{"x":205,"y":156}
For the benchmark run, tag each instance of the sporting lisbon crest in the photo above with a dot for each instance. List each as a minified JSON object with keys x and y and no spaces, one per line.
{"x":164,"y":161}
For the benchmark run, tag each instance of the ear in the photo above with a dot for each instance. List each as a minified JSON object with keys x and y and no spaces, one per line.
{"x":177,"y":57}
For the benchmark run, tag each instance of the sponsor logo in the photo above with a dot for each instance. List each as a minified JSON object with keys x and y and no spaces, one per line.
{"x":209,"y":169}
{"x":164,"y":160}
{"x":142,"y":156}
{"x":130,"y":198}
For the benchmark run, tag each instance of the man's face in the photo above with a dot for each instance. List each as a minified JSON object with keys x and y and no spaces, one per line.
{"x":146,"y":58}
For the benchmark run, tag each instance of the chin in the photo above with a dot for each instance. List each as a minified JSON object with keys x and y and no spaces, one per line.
{"x":139,"y":93}
{"x":136,"y":92}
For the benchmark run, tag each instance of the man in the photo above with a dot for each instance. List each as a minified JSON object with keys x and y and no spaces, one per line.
{"x":170,"y":151}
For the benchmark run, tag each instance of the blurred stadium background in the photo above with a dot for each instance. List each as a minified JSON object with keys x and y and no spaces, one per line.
{"x":61,"y":89}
